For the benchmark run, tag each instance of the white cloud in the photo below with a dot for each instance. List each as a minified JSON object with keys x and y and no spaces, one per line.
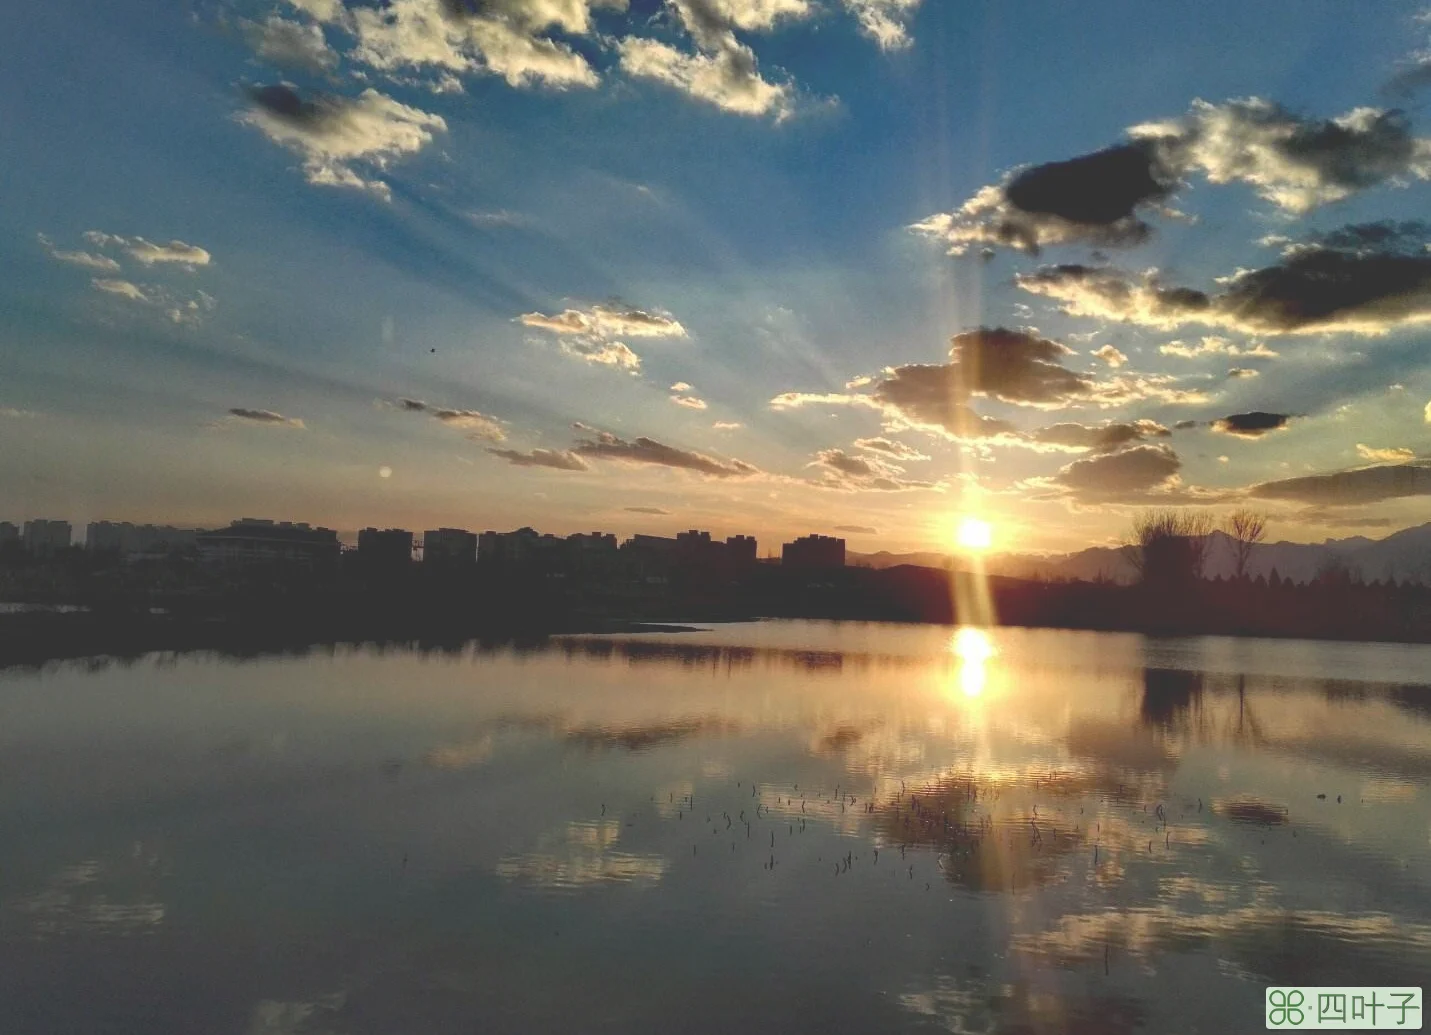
{"x":87,"y":259}
{"x":727,"y":425}
{"x":1111,"y":355}
{"x":291,"y":44}
{"x":332,"y":132}
{"x":603,"y":353}
{"x":885,"y":21}
{"x":503,"y":39}
{"x":608,"y":320}
{"x":680,"y":386}
{"x":691,"y":402}
{"x":123,"y":288}
{"x":148,"y":253}
{"x":727,"y":77}
{"x":1213,"y":345}
{"x":1294,"y":162}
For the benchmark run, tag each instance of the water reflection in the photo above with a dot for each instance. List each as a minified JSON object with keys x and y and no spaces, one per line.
{"x":770,"y":827}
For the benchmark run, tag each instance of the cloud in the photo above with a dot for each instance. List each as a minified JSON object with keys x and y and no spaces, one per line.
{"x":1212,"y":345}
{"x":1310,"y":292}
{"x":891,"y":447}
{"x":1092,"y":199}
{"x":498,"y":37}
{"x":1017,"y":367}
{"x":477,"y":425}
{"x":1294,"y":162}
{"x":885,"y":21}
{"x":1098,"y":438}
{"x":323,"y":10}
{"x":1136,"y":470}
{"x":1391,"y":455}
{"x":1405,"y":237}
{"x":265,"y":417}
{"x":842,"y":470}
{"x":291,"y":44}
{"x":557,"y":459}
{"x":706,"y":20}
{"x":1110,"y":355}
{"x":728,"y":77}
{"x":1095,"y":199}
{"x":1241,"y":372}
{"x":123,"y":288}
{"x":648,"y":510}
{"x":87,"y":259}
{"x":691,"y":402}
{"x":148,"y":253}
{"x":331,"y":133}
{"x":680,"y":386}
{"x":857,"y":529}
{"x":603,"y":353}
{"x":605,"y":446}
{"x":727,"y":425}
{"x":1351,"y":487}
{"x":1426,"y":413}
{"x":614,"y":319}
{"x":1251,"y":425}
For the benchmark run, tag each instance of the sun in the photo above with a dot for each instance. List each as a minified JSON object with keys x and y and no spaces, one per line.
{"x":974,"y":534}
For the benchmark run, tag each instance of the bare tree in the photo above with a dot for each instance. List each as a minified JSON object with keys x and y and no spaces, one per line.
{"x":1169,"y":546}
{"x":1246,"y":528}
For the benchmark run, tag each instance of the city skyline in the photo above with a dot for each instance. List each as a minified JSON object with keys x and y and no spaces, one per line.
{"x":865,"y":268}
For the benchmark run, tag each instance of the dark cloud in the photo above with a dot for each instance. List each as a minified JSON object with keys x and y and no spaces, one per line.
{"x":648,"y":510}
{"x":1348,"y":488}
{"x":1091,"y":199}
{"x":556,"y":459}
{"x":844,"y":470}
{"x":1311,"y":290}
{"x":1293,"y":161}
{"x":857,"y":529}
{"x":264,"y":417}
{"x":1251,"y":425}
{"x":606,"y":446}
{"x":1183,"y":425}
{"x":1407,"y":236}
{"x":1010,"y":366}
{"x":1133,"y":470}
{"x":1099,"y":438}
{"x":477,"y":425}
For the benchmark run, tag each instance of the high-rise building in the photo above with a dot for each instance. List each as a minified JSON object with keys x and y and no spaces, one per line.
{"x":259,"y":542}
{"x":9,"y":532}
{"x":385,"y":547}
{"x":449,"y":547}
{"x":813,"y":551}
{"x":44,"y":537}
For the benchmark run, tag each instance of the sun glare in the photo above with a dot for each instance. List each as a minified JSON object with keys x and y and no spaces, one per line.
{"x":973,"y":648}
{"x":974,"y":534}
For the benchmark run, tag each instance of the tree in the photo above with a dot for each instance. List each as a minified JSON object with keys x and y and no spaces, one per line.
{"x":1169,"y":547}
{"x":1246,"y":528}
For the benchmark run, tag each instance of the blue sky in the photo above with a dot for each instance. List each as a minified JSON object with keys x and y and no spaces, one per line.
{"x":361,"y":264}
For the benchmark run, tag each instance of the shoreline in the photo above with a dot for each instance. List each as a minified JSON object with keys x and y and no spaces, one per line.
{"x":35,"y":640}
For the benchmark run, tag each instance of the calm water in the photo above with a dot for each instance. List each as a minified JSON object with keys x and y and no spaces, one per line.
{"x":777,"y":827}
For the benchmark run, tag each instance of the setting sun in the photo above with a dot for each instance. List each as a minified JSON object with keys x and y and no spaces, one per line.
{"x":974,"y":534}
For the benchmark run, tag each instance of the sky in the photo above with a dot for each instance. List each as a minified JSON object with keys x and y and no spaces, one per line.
{"x":857,"y":267}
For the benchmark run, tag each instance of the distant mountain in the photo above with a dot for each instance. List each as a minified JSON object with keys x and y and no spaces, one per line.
{"x":1404,"y":555}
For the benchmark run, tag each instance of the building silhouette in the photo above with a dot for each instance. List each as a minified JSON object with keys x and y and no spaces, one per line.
{"x":813,"y":551}
{"x":385,"y":548}
{"x":259,"y":542}
{"x":449,"y":547}
{"x":129,"y":541}
{"x":9,"y":533}
{"x":44,"y":538}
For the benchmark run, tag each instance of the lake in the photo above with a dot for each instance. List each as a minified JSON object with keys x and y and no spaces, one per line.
{"x":762,"y":827}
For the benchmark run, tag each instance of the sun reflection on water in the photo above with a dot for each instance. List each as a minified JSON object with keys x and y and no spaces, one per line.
{"x":973,"y":648}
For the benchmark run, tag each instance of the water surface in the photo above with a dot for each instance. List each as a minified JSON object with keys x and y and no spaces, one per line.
{"x":771,"y":827}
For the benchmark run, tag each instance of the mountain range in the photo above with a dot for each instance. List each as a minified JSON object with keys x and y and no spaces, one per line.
{"x":1404,"y":556}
